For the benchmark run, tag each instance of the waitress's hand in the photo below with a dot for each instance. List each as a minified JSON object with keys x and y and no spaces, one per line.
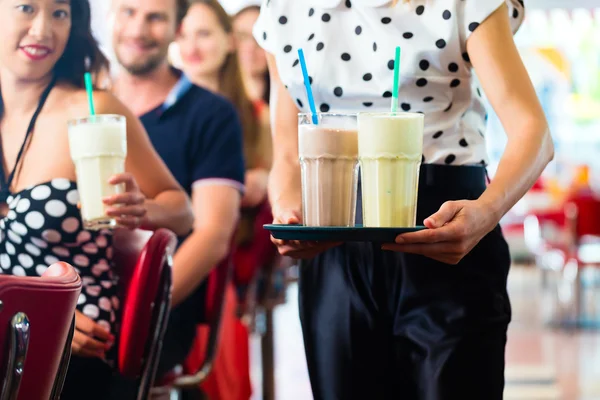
{"x":90,"y":339}
{"x":127,"y":208}
{"x":295,"y":248}
{"x":453,"y":232}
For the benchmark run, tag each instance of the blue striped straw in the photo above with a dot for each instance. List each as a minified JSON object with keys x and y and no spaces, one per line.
{"x":311,"y":100}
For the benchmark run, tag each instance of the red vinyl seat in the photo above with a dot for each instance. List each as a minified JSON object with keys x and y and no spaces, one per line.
{"x":36,"y":316}
{"x":143,"y":260}
{"x":572,"y":245}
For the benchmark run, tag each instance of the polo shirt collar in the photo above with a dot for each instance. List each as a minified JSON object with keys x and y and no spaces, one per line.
{"x":179,"y":90}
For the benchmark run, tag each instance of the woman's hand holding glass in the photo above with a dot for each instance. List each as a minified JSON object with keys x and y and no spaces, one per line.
{"x":128,"y":208}
{"x":452,"y":232}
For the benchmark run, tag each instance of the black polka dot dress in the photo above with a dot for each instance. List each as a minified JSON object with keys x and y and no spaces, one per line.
{"x":349,"y":48}
{"x":43,"y":226}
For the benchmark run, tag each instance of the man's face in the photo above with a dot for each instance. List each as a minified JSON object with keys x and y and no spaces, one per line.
{"x":142,"y":33}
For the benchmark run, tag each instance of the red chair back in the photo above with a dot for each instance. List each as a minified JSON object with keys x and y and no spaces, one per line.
{"x":143,"y":261}
{"x":36,"y":319}
{"x":588,"y":213}
{"x":199,"y":366}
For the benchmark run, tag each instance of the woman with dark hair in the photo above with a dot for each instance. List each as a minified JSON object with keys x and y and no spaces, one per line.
{"x":46,"y":49}
{"x":253,"y":59}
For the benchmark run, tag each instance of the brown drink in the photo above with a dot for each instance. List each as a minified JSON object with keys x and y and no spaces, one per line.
{"x":329,"y":163}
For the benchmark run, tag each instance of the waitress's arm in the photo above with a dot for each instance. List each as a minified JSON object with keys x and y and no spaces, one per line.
{"x":459,"y":225}
{"x":511,"y":93}
{"x":284,"y":181}
{"x":285,"y":190}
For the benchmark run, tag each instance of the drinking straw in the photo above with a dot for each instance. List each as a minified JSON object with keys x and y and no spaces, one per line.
{"x":89,"y":88}
{"x":396,"y":80}
{"x":311,"y":100}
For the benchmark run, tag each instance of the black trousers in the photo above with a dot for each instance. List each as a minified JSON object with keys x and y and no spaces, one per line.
{"x":384,"y":325}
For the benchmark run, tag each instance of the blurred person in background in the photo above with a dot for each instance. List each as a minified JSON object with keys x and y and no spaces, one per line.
{"x":46,"y":49}
{"x":208,"y":53}
{"x":199,"y":137}
{"x":253,"y":59}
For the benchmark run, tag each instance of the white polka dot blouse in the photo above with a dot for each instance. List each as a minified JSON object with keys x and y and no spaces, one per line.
{"x":349,"y":48}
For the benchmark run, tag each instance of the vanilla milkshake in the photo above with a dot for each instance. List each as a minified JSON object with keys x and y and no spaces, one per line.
{"x":329,"y":164}
{"x":390,"y":147}
{"x":98,"y":147}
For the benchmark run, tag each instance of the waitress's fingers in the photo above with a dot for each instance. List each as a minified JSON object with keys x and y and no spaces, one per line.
{"x":449,"y":232}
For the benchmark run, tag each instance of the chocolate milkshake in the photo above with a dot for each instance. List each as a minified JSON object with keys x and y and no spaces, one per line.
{"x":329,"y":163}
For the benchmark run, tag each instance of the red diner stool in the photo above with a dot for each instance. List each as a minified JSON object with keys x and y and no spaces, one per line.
{"x":143,"y":260}
{"x":201,"y":360}
{"x":36,"y":316}
{"x":567,"y":243}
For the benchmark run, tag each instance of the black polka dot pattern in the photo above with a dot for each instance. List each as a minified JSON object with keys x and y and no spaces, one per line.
{"x":450,"y":159}
{"x":42,"y":227}
{"x":357,"y":73}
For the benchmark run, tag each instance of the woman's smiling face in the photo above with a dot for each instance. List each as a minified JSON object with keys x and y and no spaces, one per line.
{"x":35,"y":34}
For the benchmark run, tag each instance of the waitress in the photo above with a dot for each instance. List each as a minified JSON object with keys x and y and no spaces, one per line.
{"x":428,"y":319}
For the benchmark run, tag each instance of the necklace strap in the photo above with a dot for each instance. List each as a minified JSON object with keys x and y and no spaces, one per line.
{"x":6,"y":183}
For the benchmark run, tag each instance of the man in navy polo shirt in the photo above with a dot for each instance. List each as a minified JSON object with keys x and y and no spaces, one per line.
{"x":199,"y":137}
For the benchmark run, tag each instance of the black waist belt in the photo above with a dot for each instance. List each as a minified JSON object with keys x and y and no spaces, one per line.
{"x":468,"y":177}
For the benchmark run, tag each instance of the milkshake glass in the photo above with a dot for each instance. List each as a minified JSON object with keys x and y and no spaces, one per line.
{"x":390,"y":147}
{"x":329,"y":166}
{"x":98,"y":147}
